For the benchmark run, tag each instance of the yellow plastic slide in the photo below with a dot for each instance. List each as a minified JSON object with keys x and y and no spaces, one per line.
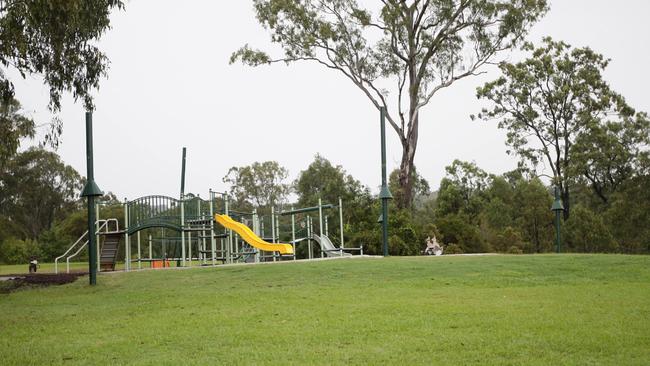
{"x":247,"y":234}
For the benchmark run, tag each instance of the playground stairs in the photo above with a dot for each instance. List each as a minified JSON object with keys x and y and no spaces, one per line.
{"x":108,"y":255}
{"x":104,"y":227}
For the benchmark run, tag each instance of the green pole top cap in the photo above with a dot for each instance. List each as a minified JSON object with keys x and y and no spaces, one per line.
{"x":385,"y":193}
{"x":557,"y":205}
{"x":91,"y":189}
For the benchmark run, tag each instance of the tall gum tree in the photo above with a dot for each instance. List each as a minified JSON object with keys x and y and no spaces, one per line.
{"x":56,"y":40}
{"x":560,"y":114}
{"x":399,"y":57}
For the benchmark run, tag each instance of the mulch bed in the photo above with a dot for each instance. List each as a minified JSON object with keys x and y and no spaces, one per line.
{"x":37,"y":280}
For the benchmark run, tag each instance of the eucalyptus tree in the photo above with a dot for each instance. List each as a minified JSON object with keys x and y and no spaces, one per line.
{"x":14,"y":126}
{"x":399,"y":55}
{"x":552,"y":100}
{"x":421,"y":188}
{"x":38,"y":189}
{"x":56,"y":40}
{"x":612,"y":153}
{"x":328,"y":182}
{"x":261,"y":185}
{"x":462,"y":190}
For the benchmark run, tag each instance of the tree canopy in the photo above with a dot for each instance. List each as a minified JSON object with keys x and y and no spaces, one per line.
{"x":260,"y":185}
{"x":36,"y":189}
{"x":328,"y":182}
{"x":399,"y":55}
{"x":14,"y":126}
{"x":557,"y":110}
{"x":55,"y":39}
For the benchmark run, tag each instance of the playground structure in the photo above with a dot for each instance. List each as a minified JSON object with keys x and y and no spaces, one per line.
{"x":204,"y":231}
{"x":110,"y":252}
{"x":191,"y":231}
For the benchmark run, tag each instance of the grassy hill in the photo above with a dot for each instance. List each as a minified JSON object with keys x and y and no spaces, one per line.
{"x":488,"y":310}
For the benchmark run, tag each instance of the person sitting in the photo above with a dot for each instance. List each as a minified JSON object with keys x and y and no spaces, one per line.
{"x":33,"y":264}
{"x":429,"y":250}
{"x":437,"y":248}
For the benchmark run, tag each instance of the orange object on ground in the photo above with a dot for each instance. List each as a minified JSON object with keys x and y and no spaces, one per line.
{"x":159,"y":264}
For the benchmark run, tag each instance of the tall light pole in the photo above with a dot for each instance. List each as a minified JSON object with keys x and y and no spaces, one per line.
{"x":557,"y":208}
{"x":91,"y":190}
{"x":384,"y":195}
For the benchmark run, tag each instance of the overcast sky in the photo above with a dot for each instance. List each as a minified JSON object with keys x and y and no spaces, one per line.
{"x":170,"y":86}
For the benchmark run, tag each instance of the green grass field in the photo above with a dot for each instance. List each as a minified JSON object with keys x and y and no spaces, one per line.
{"x":490,"y":310}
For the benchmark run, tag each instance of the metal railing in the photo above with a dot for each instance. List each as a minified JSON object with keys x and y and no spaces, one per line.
{"x":164,"y":211}
{"x":103,"y":224}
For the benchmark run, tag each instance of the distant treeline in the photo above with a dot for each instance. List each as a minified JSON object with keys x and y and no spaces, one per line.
{"x":472,"y":211}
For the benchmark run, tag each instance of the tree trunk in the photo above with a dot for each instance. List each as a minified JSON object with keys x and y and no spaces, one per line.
{"x":409,"y":145}
{"x":410,"y":140}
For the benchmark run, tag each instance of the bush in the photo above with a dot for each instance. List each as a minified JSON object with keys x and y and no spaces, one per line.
{"x":453,"y":248}
{"x":411,"y":244}
{"x":585,"y":231}
{"x":456,"y":229}
{"x":15,"y":251}
{"x":397,"y":246}
{"x":628,"y":215}
{"x":507,"y":239}
{"x":369,"y":239}
{"x":515,"y":250}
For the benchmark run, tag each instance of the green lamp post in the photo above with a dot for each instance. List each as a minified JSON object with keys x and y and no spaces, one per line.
{"x":384,"y":194}
{"x":91,"y":190}
{"x":557,"y":208}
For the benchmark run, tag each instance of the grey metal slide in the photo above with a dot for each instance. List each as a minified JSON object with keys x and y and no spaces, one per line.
{"x":328,"y":247}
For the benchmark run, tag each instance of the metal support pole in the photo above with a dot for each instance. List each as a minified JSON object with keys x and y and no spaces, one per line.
{"x":97,"y":218}
{"x":256,"y":230}
{"x":293,"y":234}
{"x":213,"y":241}
{"x":139,"y":253}
{"x":341,"y":221}
{"x":229,"y":242}
{"x":183,"y":173}
{"x":385,"y":194}
{"x":202,"y":243}
{"x":273,"y":224}
{"x":237,"y":237}
{"x":256,"y":222}
{"x":182,"y":231}
{"x":310,"y":253}
{"x":150,"y":250}
{"x":557,"y":232}
{"x":91,"y":190}
{"x":199,"y":233}
{"x":277,"y":234}
{"x":320,"y":223}
{"x":327,"y":230}
{"x":189,"y":247}
{"x":127,"y":255}
{"x":273,"y":227}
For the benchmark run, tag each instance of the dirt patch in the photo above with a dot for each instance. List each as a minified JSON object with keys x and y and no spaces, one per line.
{"x":12,"y":282}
